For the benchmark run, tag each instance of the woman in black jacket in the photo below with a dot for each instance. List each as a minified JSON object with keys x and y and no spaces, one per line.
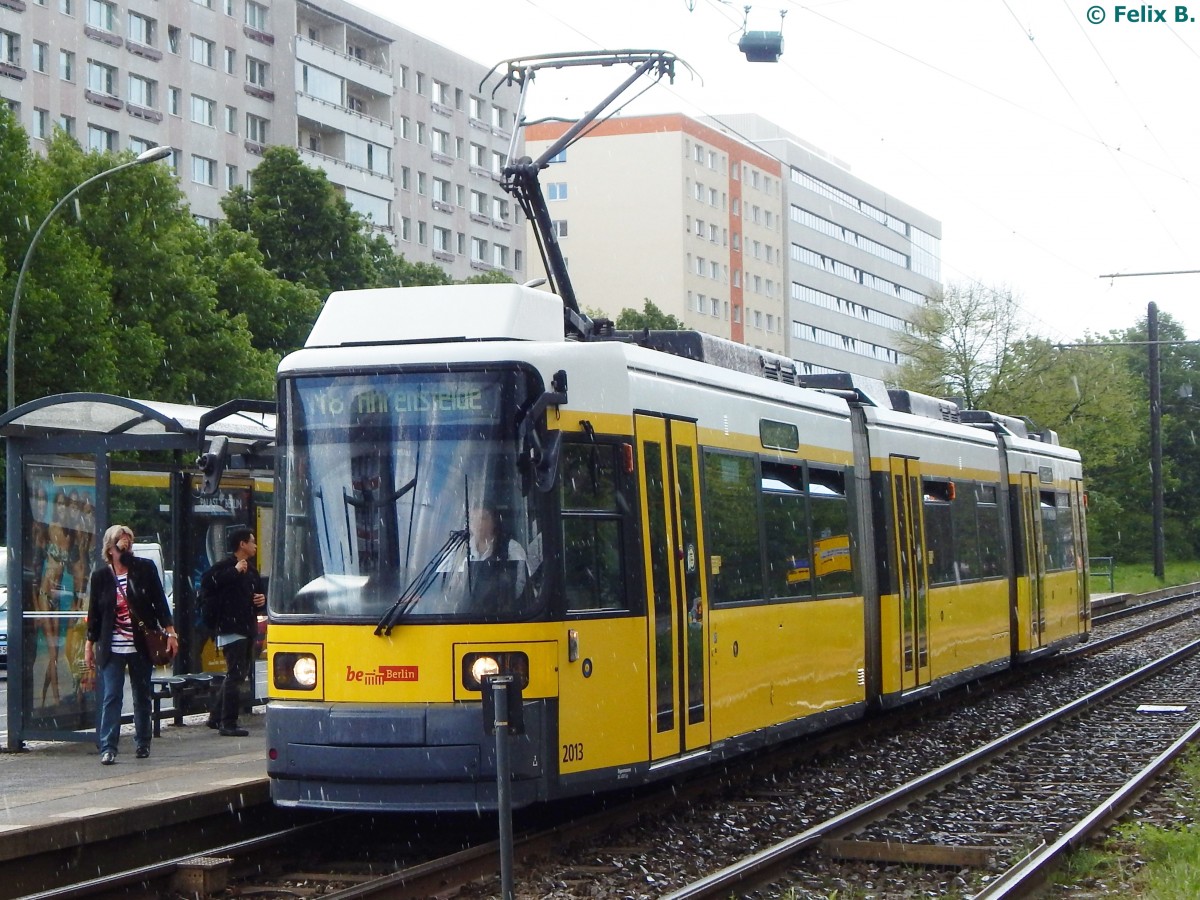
{"x":125,"y":597}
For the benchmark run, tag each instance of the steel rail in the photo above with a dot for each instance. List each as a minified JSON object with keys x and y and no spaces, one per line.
{"x":764,"y":866}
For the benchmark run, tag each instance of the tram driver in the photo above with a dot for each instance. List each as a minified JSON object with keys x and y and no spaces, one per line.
{"x":497,"y":563}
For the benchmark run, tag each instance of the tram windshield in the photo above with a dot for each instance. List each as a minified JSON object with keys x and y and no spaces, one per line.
{"x":404,"y":497}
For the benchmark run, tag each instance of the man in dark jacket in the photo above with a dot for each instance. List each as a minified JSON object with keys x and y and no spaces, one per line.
{"x":236,"y":591}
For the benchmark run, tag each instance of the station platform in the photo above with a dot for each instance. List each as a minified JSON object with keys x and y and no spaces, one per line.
{"x":56,"y":794}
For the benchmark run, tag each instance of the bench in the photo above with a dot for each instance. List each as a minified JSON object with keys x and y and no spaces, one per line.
{"x":177,"y":688}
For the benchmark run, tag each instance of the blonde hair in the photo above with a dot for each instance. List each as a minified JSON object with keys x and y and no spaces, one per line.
{"x":113,"y":534}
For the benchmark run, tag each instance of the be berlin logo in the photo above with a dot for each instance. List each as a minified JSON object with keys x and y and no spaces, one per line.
{"x":1139,"y":14}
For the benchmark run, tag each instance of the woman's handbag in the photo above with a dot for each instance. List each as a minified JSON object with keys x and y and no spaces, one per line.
{"x":157,"y":646}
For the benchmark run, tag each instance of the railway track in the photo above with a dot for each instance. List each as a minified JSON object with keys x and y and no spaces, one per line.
{"x":618,"y":843}
{"x":1026,"y":798}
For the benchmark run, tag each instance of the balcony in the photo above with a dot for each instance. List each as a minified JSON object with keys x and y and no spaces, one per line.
{"x":351,"y":68}
{"x":349,"y":175}
{"x":336,"y":117}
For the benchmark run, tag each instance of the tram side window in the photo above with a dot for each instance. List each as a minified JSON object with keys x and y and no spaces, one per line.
{"x":785,"y":527}
{"x":939,"y":532}
{"x":731,"y":513}
{"x":1066,"y":530}
{"x":991,"y":532}
{"x":1051,"y":536}
{"x":964,"y":510}
{"x":833,"y":561}
{"x":593,"y":509}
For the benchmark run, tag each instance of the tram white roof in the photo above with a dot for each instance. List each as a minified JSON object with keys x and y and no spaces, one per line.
{"x":444,"y":312}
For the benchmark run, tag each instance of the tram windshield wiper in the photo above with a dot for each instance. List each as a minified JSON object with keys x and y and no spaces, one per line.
{"x":421,"y":582}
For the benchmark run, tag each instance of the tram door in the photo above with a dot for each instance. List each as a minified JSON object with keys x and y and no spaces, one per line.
{"x":912,"y":570}
{"x":677,"y":606}
{"x":1035,"y":559}
{"x":1079,"y":535}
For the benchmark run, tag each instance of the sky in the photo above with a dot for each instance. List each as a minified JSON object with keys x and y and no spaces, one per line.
{"x":1057,"y":141}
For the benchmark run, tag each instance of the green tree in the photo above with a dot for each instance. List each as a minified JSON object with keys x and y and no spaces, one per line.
{"x":494,"y":276}
{"x":393,"y":270}
{"x":278,"y":314}
{"x":307,"y":232}
{"x":963,"y":343}
{"x":173,"y":339}
{"x":65,"y":299}
{"x":651,"y":317}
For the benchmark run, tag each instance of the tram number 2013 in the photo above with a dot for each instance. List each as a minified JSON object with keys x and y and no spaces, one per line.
{"x":572,"y":753}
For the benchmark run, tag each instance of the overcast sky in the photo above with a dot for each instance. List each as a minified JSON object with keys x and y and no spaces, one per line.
{"x":1052,"y":150}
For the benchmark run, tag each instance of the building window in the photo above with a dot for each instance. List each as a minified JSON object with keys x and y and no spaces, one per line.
{"x":560,"y":228}
{"x":41,"y":56}
{"x":231,"y":119}
{"x":475,"y":108}
{"x":173,"y":39}
{"x":256,"y":128}
{"x":422,"y":233}
{"x":174,"y":100}
{"x":101,"y":140}
{"x":202,"y":50}
{"x":560,"y":156}
{"x":66,"y":7}
{"x":421,"y":84}
{"x":66,"y":65}
{"x":500,"y":256}
{"x":101,"y":78}
{"x":556,"y":190}
{"x":256,"y":72}
{"x":41,"y":123}
{"x":102,"y":14}
{"x":500,"y":208}
{"x":479,"y":203}
{"x":204,"y":170}
{"x":478,"y":250}
{"x":256,"y":15}
{"x":142,"y":91}
{"x":441,"y":190}
{"x":441,"y":142}
{"x":441,"y":239}
{"x":67,"y":124}
{"x":203,"y":110}
{"x":230,"y":60}
{"x":142,"y":29}
{"x":441,"y":93}
{"x":205,"y":3}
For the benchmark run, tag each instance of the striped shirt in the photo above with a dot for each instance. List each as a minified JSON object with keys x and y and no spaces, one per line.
{"x":122,"y":638}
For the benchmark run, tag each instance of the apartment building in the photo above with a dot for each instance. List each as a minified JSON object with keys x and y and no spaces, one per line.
{"x":742,"y":230}
{"x":399,"y":124}
{"x":860,"y":263}
{"x":669,"y":209}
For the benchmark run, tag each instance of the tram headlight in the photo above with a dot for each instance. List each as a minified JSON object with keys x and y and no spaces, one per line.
{"x":478,"y":666}
{"x":295,"y":671}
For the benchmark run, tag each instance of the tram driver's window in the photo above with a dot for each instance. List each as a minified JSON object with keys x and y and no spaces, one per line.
{"x":593,"y":510}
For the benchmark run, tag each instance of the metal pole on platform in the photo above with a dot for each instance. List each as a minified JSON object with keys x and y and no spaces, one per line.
{"x":500,"y":685}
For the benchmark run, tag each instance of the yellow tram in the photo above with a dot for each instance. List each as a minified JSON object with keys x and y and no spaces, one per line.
{"x":678,"y":561}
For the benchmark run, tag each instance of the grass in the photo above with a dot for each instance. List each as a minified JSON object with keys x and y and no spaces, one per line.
{"x":1148,"y":862}
{"x":1138,"y":578}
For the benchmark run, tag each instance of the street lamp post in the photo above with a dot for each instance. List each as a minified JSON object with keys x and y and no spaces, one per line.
{"x":152,"y":155}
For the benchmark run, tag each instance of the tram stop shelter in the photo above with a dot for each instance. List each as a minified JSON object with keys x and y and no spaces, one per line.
{"x":78,"y":463}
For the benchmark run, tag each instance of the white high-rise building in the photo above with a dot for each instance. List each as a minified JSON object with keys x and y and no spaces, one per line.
{"x":399,"y":124}
{"x":741,"y":230}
